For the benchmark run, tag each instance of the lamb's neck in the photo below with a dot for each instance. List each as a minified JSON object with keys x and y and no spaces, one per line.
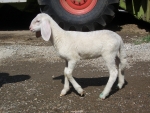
{"x":57,"y":34}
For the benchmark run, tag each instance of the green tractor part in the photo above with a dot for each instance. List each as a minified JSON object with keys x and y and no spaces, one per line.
{"x":138,"y":8}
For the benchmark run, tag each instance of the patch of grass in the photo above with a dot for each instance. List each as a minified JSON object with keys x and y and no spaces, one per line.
{"x":145,"y":39}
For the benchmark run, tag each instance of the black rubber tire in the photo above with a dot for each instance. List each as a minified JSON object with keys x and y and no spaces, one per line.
{"x":96,"y":19}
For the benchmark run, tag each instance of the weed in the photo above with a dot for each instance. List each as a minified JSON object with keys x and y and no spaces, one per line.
{"x":145,"y":39}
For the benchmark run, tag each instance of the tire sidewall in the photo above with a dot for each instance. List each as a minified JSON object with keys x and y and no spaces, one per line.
{"x":67,"y":17}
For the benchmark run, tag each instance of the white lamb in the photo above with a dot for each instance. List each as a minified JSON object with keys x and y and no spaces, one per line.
{"x":73,"y":46}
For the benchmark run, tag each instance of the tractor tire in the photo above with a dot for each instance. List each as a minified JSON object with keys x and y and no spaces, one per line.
{"x":87,"y":18}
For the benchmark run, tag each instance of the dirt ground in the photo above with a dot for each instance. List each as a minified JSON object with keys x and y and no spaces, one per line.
{"x":31,"y":76}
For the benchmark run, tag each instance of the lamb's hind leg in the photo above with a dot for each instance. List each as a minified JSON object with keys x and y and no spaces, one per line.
{"x":110,"y":62}
{"x":121,"y":79}
{"x":120,"y":74}
{"x":68,"y":76}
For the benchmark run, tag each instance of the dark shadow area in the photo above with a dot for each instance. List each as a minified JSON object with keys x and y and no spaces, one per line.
{"x":13,"y":19}
{"x":6,"y":78}
{"x":123,"y":18}
{"x":85,"y":82}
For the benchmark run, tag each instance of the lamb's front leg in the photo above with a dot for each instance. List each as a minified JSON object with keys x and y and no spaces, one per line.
{"x":66,"y":82}
{"x":68,"y":73}
{"x":66,"y":86}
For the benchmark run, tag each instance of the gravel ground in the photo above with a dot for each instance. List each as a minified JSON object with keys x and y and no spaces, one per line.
{"x":15,"y":52}
{"x":31,"y":74}
{"x":31,"y":80}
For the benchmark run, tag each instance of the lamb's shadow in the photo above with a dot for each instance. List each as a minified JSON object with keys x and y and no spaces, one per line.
{"x":85,"y":82}
{"x":5,"y":78}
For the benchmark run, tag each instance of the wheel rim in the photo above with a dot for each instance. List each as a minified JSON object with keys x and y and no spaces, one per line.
{"x":78,"y":7}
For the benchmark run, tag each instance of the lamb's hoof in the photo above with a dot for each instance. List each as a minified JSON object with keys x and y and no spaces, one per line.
{"x":119,"y":86}
{"x":63,"y":92}
{"x":61,"y":95}
{"x":82,"y":93}
{"x":101,"y":96}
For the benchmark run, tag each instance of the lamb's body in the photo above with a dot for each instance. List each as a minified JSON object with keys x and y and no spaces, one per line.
{"x":74,"y":46}
{"x":93,"y":45}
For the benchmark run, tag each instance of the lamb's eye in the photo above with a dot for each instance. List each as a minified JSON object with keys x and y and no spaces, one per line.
{"x":38,"y":21}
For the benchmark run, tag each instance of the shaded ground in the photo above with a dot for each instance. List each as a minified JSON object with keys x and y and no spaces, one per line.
{"x":32,"y":82}
{"x":35,"y":87}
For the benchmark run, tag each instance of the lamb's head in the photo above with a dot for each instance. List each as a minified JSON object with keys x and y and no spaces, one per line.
{"x":41,"y":25}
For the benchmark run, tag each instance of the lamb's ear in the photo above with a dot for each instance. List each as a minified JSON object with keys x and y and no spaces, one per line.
{"x":45,"y":30}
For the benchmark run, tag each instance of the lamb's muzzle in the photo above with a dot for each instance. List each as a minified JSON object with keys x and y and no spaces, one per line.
{"x":73,"y":46}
